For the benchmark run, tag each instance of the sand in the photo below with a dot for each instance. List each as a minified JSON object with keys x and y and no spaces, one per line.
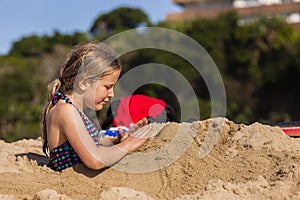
{"x":219,"y":161}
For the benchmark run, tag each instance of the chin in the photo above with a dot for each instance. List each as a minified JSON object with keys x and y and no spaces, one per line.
{"x":98,"y":107}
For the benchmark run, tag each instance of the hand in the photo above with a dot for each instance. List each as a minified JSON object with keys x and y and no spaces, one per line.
{"x":137,"y":135}
{"x":109,"y":141}
{"x":138,"y":125}
{"x":122,"y":135}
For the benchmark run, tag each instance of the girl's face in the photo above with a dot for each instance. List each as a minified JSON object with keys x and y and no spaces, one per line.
{"x":100,"y":92}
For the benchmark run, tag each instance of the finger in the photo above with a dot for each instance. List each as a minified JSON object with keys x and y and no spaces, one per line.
{"x":138,"y":125}
{"x":121,"y":133}
{"x":145,"y":121}
{"x":142,"y":122}
{"x":143,"y":132}
{"x":125,"y":136}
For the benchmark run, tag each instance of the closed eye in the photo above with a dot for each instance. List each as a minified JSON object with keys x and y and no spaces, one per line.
{"x":109,"y":86}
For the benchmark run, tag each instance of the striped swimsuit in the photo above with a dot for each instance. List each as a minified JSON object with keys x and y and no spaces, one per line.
{"x":64,"y":155}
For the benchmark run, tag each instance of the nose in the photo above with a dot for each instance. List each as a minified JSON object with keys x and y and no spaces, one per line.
{"x":111,"y":93}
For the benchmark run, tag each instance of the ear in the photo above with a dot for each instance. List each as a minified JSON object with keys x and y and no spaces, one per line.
{"x":84,"y":84}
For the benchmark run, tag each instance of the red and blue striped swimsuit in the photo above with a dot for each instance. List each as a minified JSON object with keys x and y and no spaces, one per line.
{"x":64,"y":155}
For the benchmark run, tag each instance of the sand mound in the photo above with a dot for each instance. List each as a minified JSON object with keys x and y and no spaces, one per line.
{"x":212,"y":160}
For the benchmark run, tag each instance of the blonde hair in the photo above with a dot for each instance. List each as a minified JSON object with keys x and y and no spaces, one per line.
{"x":88,"y":60}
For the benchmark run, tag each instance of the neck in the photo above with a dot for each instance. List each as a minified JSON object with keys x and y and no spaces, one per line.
{"x":76,"y":99}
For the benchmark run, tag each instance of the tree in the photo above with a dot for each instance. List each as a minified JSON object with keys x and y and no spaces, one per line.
{"x":32,"y":46}
{"x":119,"y":20}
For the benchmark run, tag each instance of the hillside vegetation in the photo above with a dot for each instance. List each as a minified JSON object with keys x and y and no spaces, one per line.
{"x":259,"y":64}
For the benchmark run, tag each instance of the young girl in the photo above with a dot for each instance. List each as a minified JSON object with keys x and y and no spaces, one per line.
{"x":87,"y":79}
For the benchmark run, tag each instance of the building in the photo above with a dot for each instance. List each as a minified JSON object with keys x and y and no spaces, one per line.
{"x":247,"y":10}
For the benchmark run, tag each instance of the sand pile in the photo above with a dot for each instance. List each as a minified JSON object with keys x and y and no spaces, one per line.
{"x":219,"y":161}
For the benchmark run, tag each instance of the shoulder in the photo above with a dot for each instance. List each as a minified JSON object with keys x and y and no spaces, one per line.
{"x":62,"y":112}
{"x":67,"y":119}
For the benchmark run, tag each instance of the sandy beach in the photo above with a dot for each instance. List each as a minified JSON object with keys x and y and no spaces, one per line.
{"x":218,"y":161}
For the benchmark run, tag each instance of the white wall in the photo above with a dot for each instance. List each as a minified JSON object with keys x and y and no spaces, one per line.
{"x":247,"y":3}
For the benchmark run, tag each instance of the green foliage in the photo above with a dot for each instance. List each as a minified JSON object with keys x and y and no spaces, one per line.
{"x":21,"y":99}
{"x":38,"y":45}
{"x":259,"y":63}
{"x":262,"y":59}
{"x":118,"y":20}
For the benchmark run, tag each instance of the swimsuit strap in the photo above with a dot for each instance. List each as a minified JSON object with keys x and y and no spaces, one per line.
{"x":89,"y":125}
{"x":60,"y":96}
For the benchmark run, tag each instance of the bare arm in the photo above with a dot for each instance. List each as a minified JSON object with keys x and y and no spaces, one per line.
{"x":97,"y":157}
